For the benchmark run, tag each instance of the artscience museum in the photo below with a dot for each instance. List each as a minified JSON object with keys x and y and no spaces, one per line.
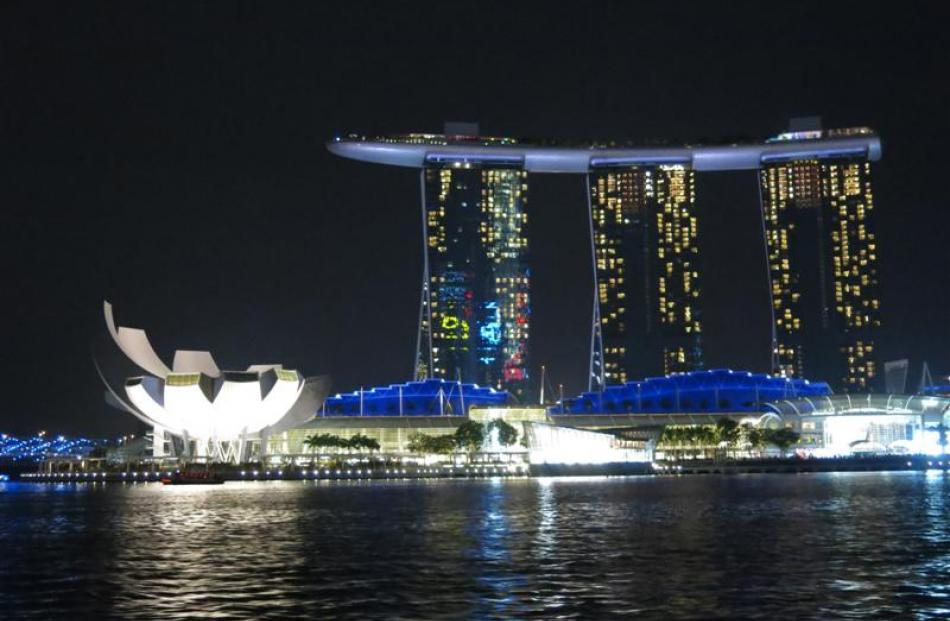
{"x":197,"y":410}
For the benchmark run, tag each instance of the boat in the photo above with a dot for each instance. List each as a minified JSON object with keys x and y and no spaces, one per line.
{"x":193,"y":477}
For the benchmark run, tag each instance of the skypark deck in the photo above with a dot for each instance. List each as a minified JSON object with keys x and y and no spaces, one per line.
{"x":419,"y":150}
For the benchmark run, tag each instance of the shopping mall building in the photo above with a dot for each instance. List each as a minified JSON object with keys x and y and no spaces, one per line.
{"x":632,"y":416}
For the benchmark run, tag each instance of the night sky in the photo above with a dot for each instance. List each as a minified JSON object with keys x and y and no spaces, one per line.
{"x":170,"y":158}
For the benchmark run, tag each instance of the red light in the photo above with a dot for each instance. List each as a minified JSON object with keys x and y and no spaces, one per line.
{"x":514,"y":374}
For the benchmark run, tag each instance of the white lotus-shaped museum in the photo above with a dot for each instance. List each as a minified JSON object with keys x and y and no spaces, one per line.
{"x":215,"y":414}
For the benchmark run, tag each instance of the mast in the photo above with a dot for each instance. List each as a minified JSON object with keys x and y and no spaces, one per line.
{"x":596,"y":372}
{"x":424,"y":337}
{"x":541,"y":400}
{"x":774,"y":356}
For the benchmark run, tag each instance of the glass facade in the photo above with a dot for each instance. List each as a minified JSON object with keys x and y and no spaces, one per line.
{"x":822,"y":256}
{"x":646,"y":260}
{"x":476,"y":293}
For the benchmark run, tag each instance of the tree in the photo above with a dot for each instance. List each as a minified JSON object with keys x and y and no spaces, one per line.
{"x":782,"y":438}
{"x":417,"y":442}
{"x":356,"y":442}
{"x":444,"y":444}
{"x":754,"y":436}
{"x":670,"y":436}
{"x":507,"y":434}
{"x":470,"y":435}
{"x":423,"y":444}
{"x":360,"y":441}
{"x":727,"y":430}
{"x":688,"y":438}
{"x":324,"y":440}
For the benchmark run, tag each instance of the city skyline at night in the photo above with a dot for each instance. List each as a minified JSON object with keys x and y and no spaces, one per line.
{"x":170,"y":158}
{"x":509,"y":304}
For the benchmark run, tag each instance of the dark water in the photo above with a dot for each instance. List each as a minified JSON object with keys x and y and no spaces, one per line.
{"x":860,"y":545}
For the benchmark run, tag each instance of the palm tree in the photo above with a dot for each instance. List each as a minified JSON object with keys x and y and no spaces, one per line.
{"x":360,"y":441}
{"x":324,"y":440}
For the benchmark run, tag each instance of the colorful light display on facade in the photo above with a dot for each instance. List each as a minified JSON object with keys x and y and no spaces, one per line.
{"x":476,"y":289}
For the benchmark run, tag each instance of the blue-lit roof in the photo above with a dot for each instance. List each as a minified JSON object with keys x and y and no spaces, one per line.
{"x":718,"y":390}
{"x":426,"y":398}
{"x":936,"y":389}
{"x":39,"y":447}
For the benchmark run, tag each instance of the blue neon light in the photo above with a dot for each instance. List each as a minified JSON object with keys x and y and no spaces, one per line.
{"x":490,"y":330}
{"x":719,"y":390}
{"x":426,"y":398}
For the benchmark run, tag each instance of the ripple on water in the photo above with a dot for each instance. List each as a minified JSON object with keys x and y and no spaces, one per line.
{"x":765,"y":546}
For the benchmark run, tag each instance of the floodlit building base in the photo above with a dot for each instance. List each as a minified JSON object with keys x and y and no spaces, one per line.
{"x":550,"y":444}
{"x":539,"y":440}
{"x":830,"y":426}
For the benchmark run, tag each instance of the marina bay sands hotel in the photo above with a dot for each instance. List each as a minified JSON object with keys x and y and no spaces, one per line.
{"x":817,"y":212}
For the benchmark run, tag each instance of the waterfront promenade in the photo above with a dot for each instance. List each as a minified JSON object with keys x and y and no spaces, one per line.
{"x":874,"y":463}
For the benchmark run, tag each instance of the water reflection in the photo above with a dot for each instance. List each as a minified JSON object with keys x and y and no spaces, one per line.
{"x":496,"y":579}
{"x":545,"y":541}
{"x":934,"y":573}
{"x":807,"y":546}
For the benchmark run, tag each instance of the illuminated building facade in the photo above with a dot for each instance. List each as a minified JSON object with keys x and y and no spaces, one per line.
{"x":196,"y":409}
{"x":475,"y":314}
{"x":644,"y":240}
{"x":816,"y":207}
{"x":822,"y":256}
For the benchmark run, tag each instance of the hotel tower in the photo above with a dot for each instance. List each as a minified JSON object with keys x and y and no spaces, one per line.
{"x":474,"y":317}
{"x":818,"y":220}
{"x":644,"y":241}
